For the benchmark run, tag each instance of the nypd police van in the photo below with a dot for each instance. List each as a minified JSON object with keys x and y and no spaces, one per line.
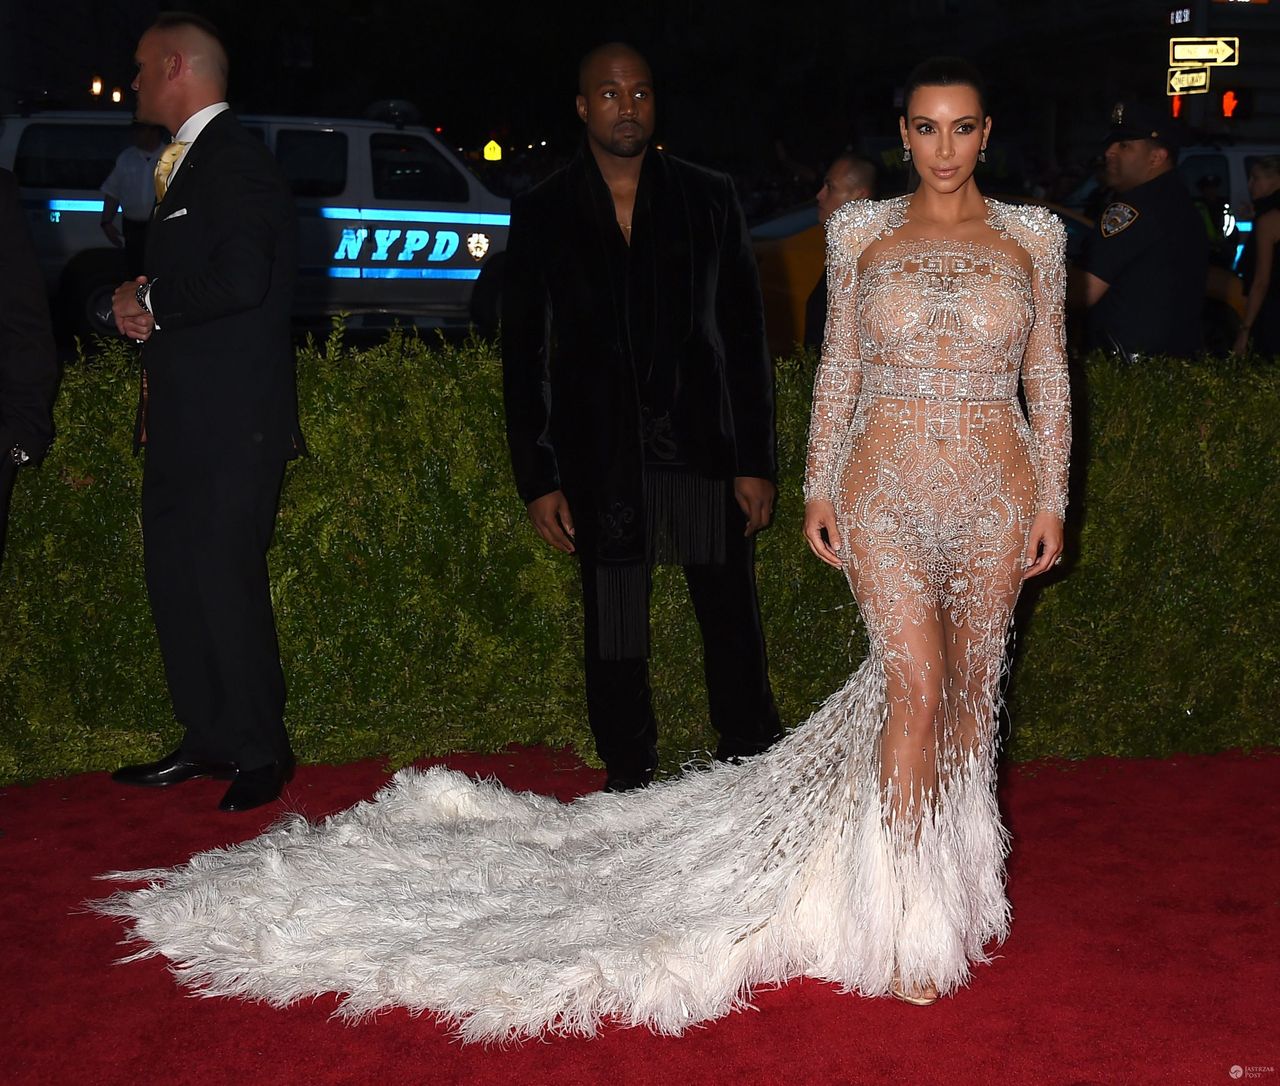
{"x":392,"y":225}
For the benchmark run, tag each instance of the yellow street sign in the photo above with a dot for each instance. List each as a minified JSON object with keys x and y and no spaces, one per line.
{"x":1188,"y":81}
{"x":1196,"y":52}
{"x":493,"y":151}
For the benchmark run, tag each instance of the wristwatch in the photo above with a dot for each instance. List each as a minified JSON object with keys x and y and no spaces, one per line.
{"x":143,"y":296}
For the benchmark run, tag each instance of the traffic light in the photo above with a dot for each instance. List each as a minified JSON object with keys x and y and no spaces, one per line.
{"x":1236,"y":103}
{"x":1175,"y":105}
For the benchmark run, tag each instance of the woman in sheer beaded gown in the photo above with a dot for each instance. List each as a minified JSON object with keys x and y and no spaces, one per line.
{"x":866,"y":848}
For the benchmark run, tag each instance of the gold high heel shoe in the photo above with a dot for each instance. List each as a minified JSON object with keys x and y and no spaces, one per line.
{"x":896,"y":990}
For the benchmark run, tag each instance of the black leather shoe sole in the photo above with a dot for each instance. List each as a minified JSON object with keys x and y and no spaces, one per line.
{"x":621,"y":782}
{"x":172,"y":769}
{"x":736,"y":750}
{"x":257,"y":787}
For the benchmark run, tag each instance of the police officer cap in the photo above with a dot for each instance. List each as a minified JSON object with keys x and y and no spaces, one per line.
{"x":1140,"y":121}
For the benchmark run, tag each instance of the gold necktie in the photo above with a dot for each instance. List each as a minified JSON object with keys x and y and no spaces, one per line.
{"x":164,"y":167}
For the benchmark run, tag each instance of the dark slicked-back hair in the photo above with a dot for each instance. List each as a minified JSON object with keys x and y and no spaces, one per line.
{"x":945,"y":72}
{"x":599,"y":50}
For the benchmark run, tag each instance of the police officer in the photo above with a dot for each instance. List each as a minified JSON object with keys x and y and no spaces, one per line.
{"x":1146,"y":265}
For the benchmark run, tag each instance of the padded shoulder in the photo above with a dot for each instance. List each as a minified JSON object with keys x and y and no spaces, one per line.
{"x":1035,"y":228}
{"x":858,"y":223}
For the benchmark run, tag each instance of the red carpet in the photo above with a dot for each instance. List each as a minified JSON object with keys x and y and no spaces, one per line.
{"x":1146,"y":897}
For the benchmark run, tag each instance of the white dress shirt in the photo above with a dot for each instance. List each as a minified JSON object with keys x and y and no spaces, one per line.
{"x":190,"y":132}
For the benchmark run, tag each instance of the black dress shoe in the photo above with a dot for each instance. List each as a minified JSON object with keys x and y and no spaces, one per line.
{"x":735,"y":750}
{"x":255,"y":787}
{"x":627,"y":782}
{"x":173,"y":769}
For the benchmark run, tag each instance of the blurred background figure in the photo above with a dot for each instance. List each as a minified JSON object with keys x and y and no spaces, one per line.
{"x":28,"y":365}
{"x":1261,"y":324}
{"x":849,"y":177}
{"x":1147,"y":262}
{"x":1212,"y":206}
{"x":131,"y":187}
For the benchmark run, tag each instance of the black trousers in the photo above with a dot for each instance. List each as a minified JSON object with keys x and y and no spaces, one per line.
{"x":205,"y":540}
{"x":619,"y":706}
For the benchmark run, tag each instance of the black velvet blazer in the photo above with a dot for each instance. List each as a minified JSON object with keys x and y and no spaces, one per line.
{"x":585,"y":320}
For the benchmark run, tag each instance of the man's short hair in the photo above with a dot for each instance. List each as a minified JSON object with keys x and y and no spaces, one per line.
{"x":862,"y":169}
{"x":172,"y":20}
{"x":179,"y":20}
{"x":602,"y":48}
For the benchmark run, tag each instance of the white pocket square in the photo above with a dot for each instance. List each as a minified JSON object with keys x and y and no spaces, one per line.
{"x":176,"y":215}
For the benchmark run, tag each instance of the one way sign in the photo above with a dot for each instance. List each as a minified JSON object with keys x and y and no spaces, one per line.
{"x":1195,"y":52}
{"x":1188,"y":81}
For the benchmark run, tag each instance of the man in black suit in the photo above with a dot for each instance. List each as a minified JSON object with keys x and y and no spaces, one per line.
{"x":218,"y":416}
{"x":28,"y":363}
{"x":639,"y":400}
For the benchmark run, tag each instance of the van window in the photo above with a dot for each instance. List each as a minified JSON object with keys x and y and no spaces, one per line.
{"x":314,"y":161}
{"x":408,"y":168}
{"x":1207,"y":176}
{"x":69,"y":156}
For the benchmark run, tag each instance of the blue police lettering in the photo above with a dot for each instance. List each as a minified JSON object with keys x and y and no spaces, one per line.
{"x":414,"y":241}
{"x":384,"y":240}
{"x":446,"y":245}
{"x":350,"y":245}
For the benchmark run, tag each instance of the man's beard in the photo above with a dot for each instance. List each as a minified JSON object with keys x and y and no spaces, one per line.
{"x":631,"y":144}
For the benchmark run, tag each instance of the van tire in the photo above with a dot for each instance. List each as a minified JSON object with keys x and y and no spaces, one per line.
{"x":87,"y":286}
{"x":486,"y":298}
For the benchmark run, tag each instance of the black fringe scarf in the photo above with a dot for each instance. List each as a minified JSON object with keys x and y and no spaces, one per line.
{"x":682,"y":513}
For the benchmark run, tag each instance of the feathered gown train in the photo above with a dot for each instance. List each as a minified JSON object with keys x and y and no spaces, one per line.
{"x":514,"y":915}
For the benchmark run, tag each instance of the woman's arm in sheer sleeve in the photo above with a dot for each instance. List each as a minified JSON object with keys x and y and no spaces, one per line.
{"x":1044,"y":367}
{"x":839,"y":377}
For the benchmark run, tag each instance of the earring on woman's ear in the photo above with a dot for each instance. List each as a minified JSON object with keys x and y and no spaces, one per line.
{"x":906,"y":153}
{"x":982,"y":155}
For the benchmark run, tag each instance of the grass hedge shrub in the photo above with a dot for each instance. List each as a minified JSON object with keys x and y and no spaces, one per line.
{"x":419,"y":614}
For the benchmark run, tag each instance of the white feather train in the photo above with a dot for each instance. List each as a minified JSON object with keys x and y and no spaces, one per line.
{"x":512,"y":915}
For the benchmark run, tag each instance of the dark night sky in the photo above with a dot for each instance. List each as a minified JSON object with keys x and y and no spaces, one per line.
{"x":732,"y":78}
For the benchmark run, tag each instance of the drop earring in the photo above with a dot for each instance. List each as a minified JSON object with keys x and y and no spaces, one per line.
{"x":906,"y":153}
{"x":982,"y":155}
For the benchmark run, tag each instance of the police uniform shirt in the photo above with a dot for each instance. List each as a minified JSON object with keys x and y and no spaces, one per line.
{"x":1151,"y":249}
{"x":132,"y":182}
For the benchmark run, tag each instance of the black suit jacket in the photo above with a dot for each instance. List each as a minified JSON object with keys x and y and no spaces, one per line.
{"x":28,"y":362}
{"x":576,"y":342}
{"x":219,"y":374}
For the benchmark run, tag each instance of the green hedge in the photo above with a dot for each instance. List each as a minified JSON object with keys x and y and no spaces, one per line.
{"x":418,"y":613}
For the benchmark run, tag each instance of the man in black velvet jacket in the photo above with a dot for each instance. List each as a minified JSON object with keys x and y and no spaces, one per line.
{"x":640,"y":416}
{"x":218,"y":416}
{"x":28,"y":364}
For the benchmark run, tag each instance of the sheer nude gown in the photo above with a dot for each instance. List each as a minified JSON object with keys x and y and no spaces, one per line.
{"x":865,"y":845}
